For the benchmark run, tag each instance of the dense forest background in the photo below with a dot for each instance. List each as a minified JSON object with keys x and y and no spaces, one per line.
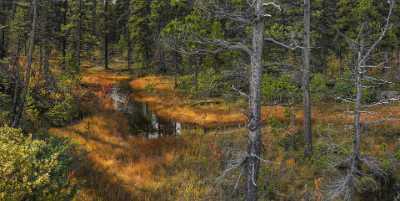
{"x":210,"y":53}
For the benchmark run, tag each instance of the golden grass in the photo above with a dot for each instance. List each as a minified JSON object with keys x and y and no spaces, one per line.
{"x":120,"y":166}
{"x":158,"y":83}
{"x":167,"y":103}
{"x":105,"y":78}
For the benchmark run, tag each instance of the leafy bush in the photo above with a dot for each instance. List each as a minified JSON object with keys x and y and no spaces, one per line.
{"x":344,"y":87}
{"x":319,"y":88}
{"x":279,"y":90}
{"x":62,"y":111}
{"x":370,"y":95}
{"x":33,"y":169}
{"x":5,"y":98}
{"x":209,"y":83}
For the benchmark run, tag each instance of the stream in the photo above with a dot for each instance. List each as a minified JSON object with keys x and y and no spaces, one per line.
{"x":141,"y":118}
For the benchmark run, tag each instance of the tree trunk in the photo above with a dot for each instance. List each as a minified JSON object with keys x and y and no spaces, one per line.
{"x":386,"y":66}
{"x":94,"y":20}
{"x":306,"y":81}
{"x":64,"y":37}
{"x":130,"y":49}
{"x":46,"y":67}
{"x":176,"y":64}
{"x":254,"y":125}
{"x":79,"y":36}
{"x":17,"y":80}
{"x":196,"y":75}
{"x":355,"y":158}
{"x":129,"y":39}
{"x":106,"y":34}
{"x":2,"y":44}
{"x":25,"y":91}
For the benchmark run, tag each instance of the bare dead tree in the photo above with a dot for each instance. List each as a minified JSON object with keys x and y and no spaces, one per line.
{"x":306,"y":80}
{"x":346,"y":186}
{"x":253,"y":16}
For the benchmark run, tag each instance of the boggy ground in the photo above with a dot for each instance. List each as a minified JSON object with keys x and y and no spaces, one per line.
{"x":118,"y":165}
{"x":159,"y":93}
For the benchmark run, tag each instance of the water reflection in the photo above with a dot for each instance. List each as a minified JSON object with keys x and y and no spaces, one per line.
{"x":141,"y":118}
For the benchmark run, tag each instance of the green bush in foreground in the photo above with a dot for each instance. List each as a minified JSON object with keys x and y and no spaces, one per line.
{"x":33,"y":169}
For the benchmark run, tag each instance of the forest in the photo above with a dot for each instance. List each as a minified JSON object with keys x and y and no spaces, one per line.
{"x":192,"y":100}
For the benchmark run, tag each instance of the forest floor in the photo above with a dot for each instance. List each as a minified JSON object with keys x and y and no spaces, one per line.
{"x":118,"y":165}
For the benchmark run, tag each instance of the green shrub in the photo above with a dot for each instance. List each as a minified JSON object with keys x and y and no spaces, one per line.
{"x":5,"y":98}
{"x":279,"y":90}
{"x":209,"y":83}
{"x":397,"y":154}
{"x":319,"y":88}
{"x":62,"y":111}
{"x":370,"y":95}
{"x":344,"y":87}
{"x":33,"y":169}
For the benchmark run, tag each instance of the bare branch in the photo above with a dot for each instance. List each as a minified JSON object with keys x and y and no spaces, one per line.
{"x":347,"y":100}
{"x":271,"y":3}
{"x":382,"y":35}
{"x":381,"y":81}
{"x":228,"y":45}
{"x":240,"y":92}
{"x":383,"y":102}
{"x":352,"y":43}
{"x":373,"y":66}
{"x":290,"y":46}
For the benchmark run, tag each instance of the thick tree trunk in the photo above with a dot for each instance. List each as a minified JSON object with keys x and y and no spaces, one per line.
{"x":254,"y":127}
{"x":25,"y":91}
{"x":306,"y":81}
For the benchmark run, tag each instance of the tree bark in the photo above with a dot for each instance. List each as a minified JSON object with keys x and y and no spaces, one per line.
{"x":17,"y":80}
{"x":129,"y":39}
{"x":2,"y":43}
{"x":106,"y":34}
{"x":64,"y":37}
{"x":46,"y":67}
{"x":176,"y":64}
{"x":306,"y":81}
{"x":355,"y":157}
{"x":79,"y":36}
{"x":130,"y":49}
{"x":28,"y":69}
{"x":254,"y":125}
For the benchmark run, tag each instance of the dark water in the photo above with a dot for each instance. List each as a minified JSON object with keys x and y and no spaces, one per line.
{"x":141,"y":119}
